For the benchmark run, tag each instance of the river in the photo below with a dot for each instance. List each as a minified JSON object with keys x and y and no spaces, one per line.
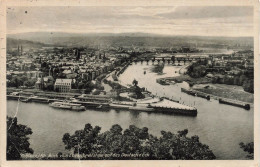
{"x":220,"y":126}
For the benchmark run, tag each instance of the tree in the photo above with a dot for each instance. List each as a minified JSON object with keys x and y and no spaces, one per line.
{"x":134,"y":141}
{"x":242,"y":78}
{"x":236,"y":80}
{"x":83,"y":141}
{"x":249,"y":85}
{"x":17,"y":140}
{"x":179,"y":146}
{"x":197,"y":70}
{"x":30,"y":82}
{"x":135,"y":82}
{"x":249,"y":147}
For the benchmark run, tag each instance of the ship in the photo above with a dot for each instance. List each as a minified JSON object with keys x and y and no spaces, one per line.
{"x":131,"y":106}
{"x":68,"y":106}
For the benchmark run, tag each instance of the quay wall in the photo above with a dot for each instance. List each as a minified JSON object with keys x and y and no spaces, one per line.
{"x":235,"y":103}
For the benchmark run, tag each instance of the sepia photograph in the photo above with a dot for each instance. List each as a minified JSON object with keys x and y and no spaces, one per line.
{"x":129,"y":82}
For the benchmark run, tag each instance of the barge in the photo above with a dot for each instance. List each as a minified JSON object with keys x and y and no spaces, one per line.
{"x":235,"y":103}
{"x":195,"y":93}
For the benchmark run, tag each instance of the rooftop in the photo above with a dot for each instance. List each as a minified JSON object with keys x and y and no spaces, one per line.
{"x":58,"y":81}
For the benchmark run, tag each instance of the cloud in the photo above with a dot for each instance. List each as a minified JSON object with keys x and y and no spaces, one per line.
{"x":197,"y":12}
{"x":163,"y":20}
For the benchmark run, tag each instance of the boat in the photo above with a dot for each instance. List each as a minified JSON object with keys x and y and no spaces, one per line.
{"x":235,"y":103}
{"x":162,"y":82}
{"x":141,"y":108}
{"x":131,"y":106}
{"x":119,"y":105}
{"x":67,"y":105}
{"x":144,"y":72}
{"x":189,"y":92}
{"x":25,"y":100}
{"x":102,"y":107}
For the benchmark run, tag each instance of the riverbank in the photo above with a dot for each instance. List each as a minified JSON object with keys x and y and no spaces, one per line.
{"x":225,"y":91}
{"x":217,"y":91}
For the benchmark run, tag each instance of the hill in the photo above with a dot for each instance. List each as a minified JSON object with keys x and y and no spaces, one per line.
{"x":13,"y":43}
{"x":130,"y":39}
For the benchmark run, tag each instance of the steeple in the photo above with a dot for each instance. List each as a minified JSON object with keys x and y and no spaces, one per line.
{"x":18,"y":51}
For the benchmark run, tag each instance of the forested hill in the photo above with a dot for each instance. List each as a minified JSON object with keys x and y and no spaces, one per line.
{"x":130,"y":39}
{"x":13,"y":43}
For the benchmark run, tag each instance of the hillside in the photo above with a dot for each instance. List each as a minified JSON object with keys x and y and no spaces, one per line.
{"x":13,"y":43}
{"x":131,"y":39}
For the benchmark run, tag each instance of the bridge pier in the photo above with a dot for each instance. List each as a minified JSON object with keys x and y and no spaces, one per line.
{"x":163,"y":60}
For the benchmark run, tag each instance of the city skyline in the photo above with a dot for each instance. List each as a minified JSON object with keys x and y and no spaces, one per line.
{"x":191,"y":20}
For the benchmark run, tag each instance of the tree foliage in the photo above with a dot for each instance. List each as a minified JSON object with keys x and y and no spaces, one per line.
{"x":17,"y":81}
{"x":248,"y":85}
{"x":197,"y":71}
{"x":17,"y":140}
{"x":136,"y":141}
{"x":249,"y":147}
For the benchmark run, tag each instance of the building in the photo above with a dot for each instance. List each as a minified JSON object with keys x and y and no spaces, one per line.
{"x":63,"y":85}
{"x":45,"y":83}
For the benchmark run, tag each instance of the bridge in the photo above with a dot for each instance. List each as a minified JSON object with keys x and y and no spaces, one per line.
{"x":172,"y":59}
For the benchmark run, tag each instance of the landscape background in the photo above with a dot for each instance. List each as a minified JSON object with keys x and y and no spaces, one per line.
{"x":43,"y":39}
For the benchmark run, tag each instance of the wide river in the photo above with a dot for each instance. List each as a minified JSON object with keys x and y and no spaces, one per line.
{"x":220,"y":126}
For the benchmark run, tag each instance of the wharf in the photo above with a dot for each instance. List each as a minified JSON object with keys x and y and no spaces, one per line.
{"x":168,"y":106}
{"x":162,"y":105}
{"x":156,"y":105}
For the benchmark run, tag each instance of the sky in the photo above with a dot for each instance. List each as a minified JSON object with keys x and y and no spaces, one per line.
{"x":180,"y":20}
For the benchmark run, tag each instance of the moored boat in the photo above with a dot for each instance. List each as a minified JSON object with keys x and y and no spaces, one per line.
{"x":141,"y":108}
{"x":235,"y":103}
{"x":119,"y":105}
{"x":25,"y":100}
{"x":67,"y":105}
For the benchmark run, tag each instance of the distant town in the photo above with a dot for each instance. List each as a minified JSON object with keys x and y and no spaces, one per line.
{"x":96,"y":79}
{"x":80,"y":70}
